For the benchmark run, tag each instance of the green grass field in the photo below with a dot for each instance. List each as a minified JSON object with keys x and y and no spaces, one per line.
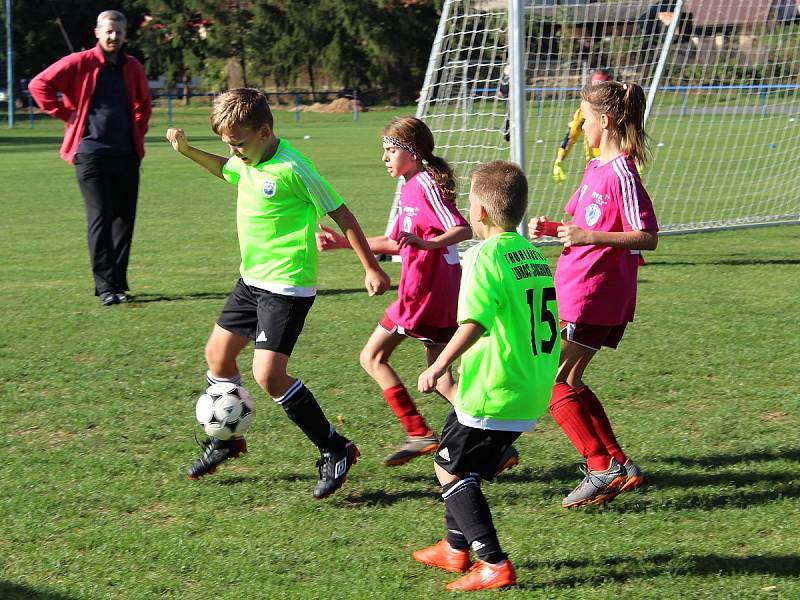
{"x":98,"y":412}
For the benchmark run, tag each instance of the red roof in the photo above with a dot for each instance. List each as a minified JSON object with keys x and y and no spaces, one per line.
{"x":727,"y":12}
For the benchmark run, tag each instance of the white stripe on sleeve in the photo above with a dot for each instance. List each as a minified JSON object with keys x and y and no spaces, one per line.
{"x":436,"y":199}
{"x":630,"y":194}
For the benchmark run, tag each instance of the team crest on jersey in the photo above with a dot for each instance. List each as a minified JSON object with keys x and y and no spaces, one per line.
{"x":269,"y":188}
{"x":593,"y":213}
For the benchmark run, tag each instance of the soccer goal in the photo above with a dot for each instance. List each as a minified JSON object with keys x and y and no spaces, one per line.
{"x":722,"y":78}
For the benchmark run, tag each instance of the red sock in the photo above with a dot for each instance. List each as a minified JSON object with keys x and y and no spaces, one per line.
{"x":575,"y":420}
{"x":601,"y":423}
{"x":400,"y":402}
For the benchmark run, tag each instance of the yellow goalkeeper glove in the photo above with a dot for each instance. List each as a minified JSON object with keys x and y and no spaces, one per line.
{"x":558,"y":172}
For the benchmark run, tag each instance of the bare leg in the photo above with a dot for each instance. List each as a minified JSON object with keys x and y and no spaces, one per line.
{"x":222,"y":349}
{"x":446,"y":387}
{"x":375,"y":357}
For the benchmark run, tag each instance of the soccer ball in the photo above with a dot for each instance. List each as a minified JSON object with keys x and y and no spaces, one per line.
{"x":225,"y":410}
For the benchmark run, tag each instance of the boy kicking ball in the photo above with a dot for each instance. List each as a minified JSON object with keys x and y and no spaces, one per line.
{"x":280,"y":197}
{"x":508,"y":343}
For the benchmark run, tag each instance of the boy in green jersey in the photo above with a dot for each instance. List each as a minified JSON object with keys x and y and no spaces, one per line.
{"x":508,"y":343}
{"x":280,"y":197}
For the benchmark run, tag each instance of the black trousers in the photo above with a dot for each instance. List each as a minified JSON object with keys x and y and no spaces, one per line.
{"x":110,"y":188}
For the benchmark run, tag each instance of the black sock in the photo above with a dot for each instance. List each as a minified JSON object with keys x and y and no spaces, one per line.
{"x":302,"y":408}
{"x":454,"y":536}
{"x":466,"y":503}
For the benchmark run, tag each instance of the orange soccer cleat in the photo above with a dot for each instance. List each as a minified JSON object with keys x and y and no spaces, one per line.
{"x":485,"y":576}
{"x":443,"y":556}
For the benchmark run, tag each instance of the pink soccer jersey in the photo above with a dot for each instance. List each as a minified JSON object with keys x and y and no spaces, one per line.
{"x":429,"y":281}
{"x":597,"y":284}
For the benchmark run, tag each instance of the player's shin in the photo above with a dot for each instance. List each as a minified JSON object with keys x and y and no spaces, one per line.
{"x":303,"y":409}
{"x":576,"y":422}
{"x":467,"y":505}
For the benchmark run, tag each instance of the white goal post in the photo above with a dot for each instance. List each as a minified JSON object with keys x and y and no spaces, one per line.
{"x":722,"y":78}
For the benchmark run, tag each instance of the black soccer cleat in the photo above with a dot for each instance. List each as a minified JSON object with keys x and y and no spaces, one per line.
{"x":333,"y":467}
{"x":215,"y":451}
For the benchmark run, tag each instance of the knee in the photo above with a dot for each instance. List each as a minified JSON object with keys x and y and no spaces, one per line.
{"x":273,"y":384}
{"x":215,"y":357}
{"x":369,"y":361}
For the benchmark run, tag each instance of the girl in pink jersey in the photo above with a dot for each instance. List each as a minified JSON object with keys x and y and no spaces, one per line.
{"x":426,"y":228}
{"x":612,"y":220}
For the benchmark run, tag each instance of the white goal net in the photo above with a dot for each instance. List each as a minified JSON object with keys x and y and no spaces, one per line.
{"x":724,"y":78}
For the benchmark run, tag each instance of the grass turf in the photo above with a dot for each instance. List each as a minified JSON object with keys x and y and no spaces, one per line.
{"x":98,"y":404}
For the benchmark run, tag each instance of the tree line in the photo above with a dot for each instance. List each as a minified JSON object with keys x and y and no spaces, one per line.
{"x":365,"y":44}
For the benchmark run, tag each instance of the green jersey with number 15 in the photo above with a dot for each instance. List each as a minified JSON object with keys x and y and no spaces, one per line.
{"x":507,"y":375}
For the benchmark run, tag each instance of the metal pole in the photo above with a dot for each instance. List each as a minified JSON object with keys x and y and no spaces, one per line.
{"x":9,"y":65}
{"x":662,"y":59}
{"x":517,"y":60}
{"x":432,"y":63}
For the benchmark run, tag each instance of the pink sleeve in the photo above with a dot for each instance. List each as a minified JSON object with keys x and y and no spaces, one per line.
{"x":635,"y":204}
{"x":444,"y":210}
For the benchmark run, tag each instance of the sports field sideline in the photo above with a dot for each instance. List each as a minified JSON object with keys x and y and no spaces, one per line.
{"x":98,"y":407}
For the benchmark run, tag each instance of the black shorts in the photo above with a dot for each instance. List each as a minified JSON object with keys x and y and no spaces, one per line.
{"x":464,"y":450}
{"x":274,"y":321}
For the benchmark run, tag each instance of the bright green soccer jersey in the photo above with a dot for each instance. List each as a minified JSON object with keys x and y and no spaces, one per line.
{"x":277,"y":207}
{"x":508,"y":374}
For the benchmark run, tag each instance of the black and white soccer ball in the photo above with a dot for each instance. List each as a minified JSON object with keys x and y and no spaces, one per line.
{"x":225,"y":410}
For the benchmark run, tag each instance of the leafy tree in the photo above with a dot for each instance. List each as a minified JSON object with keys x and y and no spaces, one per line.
{"x":173,"y":36}
{"x":45,"y":31}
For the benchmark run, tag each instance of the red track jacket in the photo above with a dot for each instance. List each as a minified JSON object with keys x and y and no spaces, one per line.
{"x":75,"y":77}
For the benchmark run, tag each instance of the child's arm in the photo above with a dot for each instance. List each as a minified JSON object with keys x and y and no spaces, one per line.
{"x":328,"y":239}
{"x":572,"y":235}
{"x":376,"y":280}
{"x":467,"y":334}
{"x":210,"y":162}
{"x":454,"y":235}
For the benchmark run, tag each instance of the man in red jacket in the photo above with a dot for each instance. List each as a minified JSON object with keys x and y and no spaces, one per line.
{"x":103,"y":98}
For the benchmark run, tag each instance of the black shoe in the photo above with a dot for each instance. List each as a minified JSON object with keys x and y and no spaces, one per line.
{"x":333,"y":467}
{"x":123,"y":297}
{"x":108,"y":298}
{"x":215,"y":451}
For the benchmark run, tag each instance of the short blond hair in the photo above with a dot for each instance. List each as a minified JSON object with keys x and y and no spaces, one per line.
{"x":240,"y":107}
{"x":502,"y":188}
{"x":112,"y":15}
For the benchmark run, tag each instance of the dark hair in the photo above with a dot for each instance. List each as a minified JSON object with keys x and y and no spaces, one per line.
{"x":502,"y":188}
{"x":416,"y":134}
{"x":624,"y":103}
{"x":240,"y":107}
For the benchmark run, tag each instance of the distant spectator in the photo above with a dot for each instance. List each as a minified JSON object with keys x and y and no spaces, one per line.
{"x":102,"y":96}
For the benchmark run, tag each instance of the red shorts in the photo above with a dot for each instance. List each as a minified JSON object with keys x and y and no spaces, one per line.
{"x":593,"y":336}
{"x":427,"y":334}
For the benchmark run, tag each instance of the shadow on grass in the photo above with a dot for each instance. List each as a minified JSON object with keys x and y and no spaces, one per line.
{"x":718,"y":460}
{"x":12,"y":591}
{"x":626,"y":568}
{"x":386,"y":498}
{"x":733,"y":262}
{"x":150,"y":298}
{"x":54,"y":141}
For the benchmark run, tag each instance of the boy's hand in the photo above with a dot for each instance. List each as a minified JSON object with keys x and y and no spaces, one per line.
{"x":404,"y":238}
{"x":376,"y":281}
{"x":177,"y":137}
{"x":427,"y":380}
{"x":328,"y":239}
